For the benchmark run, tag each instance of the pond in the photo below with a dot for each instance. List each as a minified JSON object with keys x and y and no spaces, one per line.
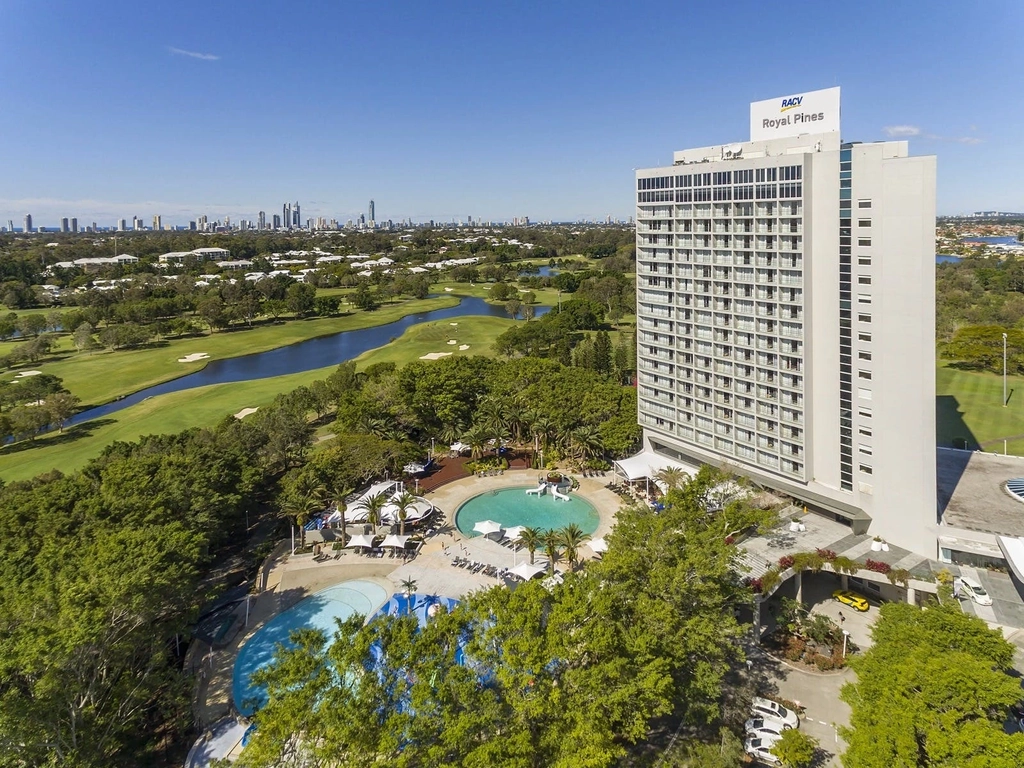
{"x":302,"y":356}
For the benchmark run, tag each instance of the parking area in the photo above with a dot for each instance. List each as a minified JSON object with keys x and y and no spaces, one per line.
{"x":817,"y":598}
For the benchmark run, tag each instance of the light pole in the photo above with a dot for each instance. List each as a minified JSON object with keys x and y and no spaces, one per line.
{"x":1004,"y":370}
{"x":431,"y":448}
{"x":846,"y":634}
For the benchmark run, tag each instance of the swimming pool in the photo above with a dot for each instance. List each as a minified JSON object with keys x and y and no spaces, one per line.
{"x":318,"y":611}
{"x":512,"y":506}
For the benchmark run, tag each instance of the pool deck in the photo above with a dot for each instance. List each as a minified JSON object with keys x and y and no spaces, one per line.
{"x":292,"y":578}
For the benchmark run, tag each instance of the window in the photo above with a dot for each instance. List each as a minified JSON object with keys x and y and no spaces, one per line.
{"x":863,"y":394}
{"x":864,"y":242}
{"x":865,"y":468}
{"x":864,"y":336}
{"x":864,"y":354}
{"x":863,"y":298}
{"x":864,"y":318}
{"x":864,"y":261}
{"x":864,"y":279}
{"x":865,"y":412}
{"x":865,"y":449}
{"x":863,"y":222}
{"x":864,"y":375}
{"x":863,"y":203}
{"x":866,"y":431}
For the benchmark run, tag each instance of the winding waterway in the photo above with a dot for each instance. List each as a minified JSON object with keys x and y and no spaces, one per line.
{"x":295,"y":358}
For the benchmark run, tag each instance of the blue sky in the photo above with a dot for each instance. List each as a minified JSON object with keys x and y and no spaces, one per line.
{"x":452,"y":109}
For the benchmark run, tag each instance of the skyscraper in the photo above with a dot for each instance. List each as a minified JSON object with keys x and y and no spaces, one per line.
{"x":10,"y":225}
{"x":277,"y":221}
{"x":286,"y":217}
{"x":64,"y":226}
{"x":373,"y":212}
{"x":261,"y":221}
{"x":157,"y":223}
{"x":785,"y":313}
{"x":74,"y":225}
{"x":122,"y":225}
{"x":28,"y":222}
{"x":296,"y":216}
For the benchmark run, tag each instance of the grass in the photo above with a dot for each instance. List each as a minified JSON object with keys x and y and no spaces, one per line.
{"x":970,"y":406}
{"x":202,"y":406}
{"x":99,"y":377}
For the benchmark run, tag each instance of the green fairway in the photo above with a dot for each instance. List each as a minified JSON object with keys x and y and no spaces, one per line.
{"x":969,"y":406}
{"x":206,"y":405}
{"x":99,"y":377}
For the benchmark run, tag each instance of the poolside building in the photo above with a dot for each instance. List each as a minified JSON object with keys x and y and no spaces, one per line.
{"x":785,"y":310}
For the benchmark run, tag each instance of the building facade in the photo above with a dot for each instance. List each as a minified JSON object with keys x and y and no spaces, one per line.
{"x":785,"y":310}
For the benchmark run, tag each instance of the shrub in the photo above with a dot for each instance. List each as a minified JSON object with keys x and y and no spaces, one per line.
{"x":824,"y":663}
{"x":843,"y":564}
{"x":901,"y":575}
{"x":828,"y":555}
{"x":786,"y":561}
{"x":877,"y":566}
{"x":793,"y":654}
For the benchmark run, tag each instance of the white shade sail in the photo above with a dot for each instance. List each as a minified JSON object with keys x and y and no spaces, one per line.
{"x":515,"y":532}
{"x":599,"y":545}
{"x":395,"y":540}
{"x":525,"y":571}
{"x":362,"y":540}
{"x":487,"y":527}
{"x":458,"y":447}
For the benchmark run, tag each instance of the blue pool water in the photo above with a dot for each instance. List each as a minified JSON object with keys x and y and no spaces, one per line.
{"x":317,"y":611}
{"x":512,"y":506}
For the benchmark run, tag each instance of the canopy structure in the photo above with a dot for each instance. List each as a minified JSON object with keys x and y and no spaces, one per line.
{"x":525,"y":571}
{"x":419,"y":509}
{"x":515,"y":532}
{"x":395,"y":541}
{"x":1013,"y":550}
{"x":598,"y":545}
{"x":487,"y":527}
{"x":648,"y":464}
{"x":362,"y":540}
{"x":459,"y":447}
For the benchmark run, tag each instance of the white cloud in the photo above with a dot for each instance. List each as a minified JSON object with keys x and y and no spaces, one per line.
{"x":193,"y":54}
{"x":902,"y":130}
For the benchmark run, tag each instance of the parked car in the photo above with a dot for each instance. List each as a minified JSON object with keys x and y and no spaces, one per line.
{"x":975,"y":591}
{"x":772,"y":710}
{"x":852,"y":599}
{"x":767,"y":727}
{"x":1017,"y":714}
{"x":760,"y":747}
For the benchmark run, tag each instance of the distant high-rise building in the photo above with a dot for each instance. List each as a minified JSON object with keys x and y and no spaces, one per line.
{"x":28,"y":222}
{"x":192,"y":226}
{"x":286,"y":215}
{"x":296,"y":216}
{"x":202,"y":223}
{"x":362,"y":220}
{"x":157,"y":223}
{"x":261,"y":220}
{"x":122,"y":225}
{"x":74,"y":225}
{"x":64,"y":224}
{"x":276,"y":222}
{"x":10,"y":225}
{"x":136,"y":223}
{"x":373,"y":212}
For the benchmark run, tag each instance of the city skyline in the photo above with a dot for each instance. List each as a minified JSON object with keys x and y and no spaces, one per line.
{"x":517,"y":117}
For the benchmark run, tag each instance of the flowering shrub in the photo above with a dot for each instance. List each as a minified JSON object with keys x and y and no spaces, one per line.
{"x":786,"y":561}
{"x":877,"y":567}
{"x":828,"y":555}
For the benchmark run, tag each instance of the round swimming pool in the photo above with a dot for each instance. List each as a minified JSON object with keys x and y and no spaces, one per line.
{"x":514,"y":506}
{"x":318,"y":611}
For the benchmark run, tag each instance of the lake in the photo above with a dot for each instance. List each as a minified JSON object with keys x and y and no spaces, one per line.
{"x":295,"y":358}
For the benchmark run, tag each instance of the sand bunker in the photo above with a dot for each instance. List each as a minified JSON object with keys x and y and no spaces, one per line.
{"x":449,"y":290}
{"x":434,"y":355}
{"x":193,"y":357}
{"x":463,"y":347}
{"x":26,"y":374}
{"x":245,"y":412}
{"x":452,"y":341}
{"x":455,"y":324}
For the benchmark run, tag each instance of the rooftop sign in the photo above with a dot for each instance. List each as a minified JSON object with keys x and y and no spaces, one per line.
{"x":811,"y":112}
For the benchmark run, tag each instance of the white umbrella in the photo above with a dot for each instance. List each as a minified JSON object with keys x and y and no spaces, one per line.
{"x":487,"y":527}
{"x":599,"y":545}
{"x":394,"y":540}
{"x":361,"y":540}
{"x":515,"y":532}
{"x":458,"y":447}
{"x":525,"y":571}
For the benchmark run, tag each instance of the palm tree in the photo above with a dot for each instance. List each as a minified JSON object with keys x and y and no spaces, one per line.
{"x":571,"y":537}
{"x":531,"y":538}
{"x":373,"y":506}
{"x":585,"y":442}
{"x":403,"y":504}
{"x":673,"y":477}
{"x":552,"y":544}
{"x":543,"y":428}
{"x":477,"y":439}
{"x":300,"y":508}
{"x":409,"y":586}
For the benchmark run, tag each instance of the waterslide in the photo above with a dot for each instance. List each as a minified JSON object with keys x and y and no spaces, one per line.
{"x":557,"y":494}
{"x":539,"y":490}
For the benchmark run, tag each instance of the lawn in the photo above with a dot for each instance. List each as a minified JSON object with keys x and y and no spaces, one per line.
{"x":969,"y":406}
{"x":206,"y":405}
{"x":99,"y":377}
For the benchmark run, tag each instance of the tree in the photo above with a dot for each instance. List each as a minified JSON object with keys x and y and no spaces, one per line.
{"x":363,"y":298}
{"x":59,"y":407}
{"x":373,"y":506}
{"x":211,"y":310}
{"x":403,"y":503}
{"x":501,"y":292}
{"x":275,"y":307}
{"x":532,"y":539}
{"x":512,"y":307}
{"x":571,"y":538}
{"x":408,"y":586}
{"x":602,"y":352}
{"x":326,"y":305}
{"x":300,"y":508}
{"x":795,"y":749}
{"x":552,"y":548}
{"x":301,"y":298}
{"x":932,"y":690}
{"x":83,"y":337}
{"x":32,"y":325}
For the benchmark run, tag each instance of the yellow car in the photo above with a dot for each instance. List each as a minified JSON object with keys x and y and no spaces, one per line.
{"x":852,"y":599}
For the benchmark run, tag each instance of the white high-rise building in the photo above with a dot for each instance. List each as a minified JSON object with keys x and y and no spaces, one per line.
{"x":786,"y":316}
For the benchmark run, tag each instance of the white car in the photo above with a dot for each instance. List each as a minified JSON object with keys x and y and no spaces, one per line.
{"x":767,"y":727}
{"x":771,"y":710}
{"x":760,"y":747}
{"x":975,"y":591}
